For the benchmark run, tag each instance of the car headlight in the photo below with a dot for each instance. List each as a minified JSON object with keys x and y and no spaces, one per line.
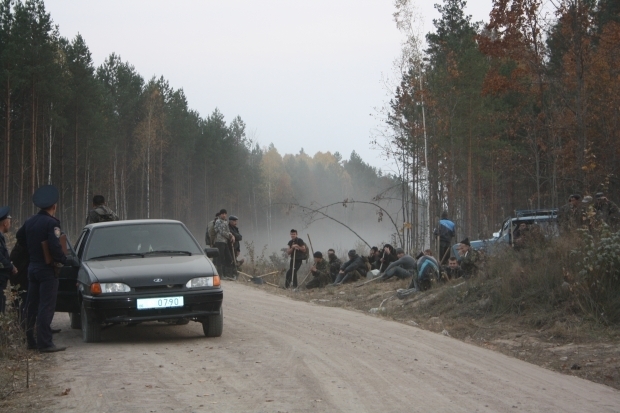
{"x":114,"y":288}
{"x":203,"y":282}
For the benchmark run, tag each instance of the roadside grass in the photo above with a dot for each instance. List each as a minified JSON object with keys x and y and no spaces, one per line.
{"x":554,"y":303}
{"x":15,"y":362}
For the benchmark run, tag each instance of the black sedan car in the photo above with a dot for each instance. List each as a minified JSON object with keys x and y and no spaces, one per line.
{"x":136,"y":271}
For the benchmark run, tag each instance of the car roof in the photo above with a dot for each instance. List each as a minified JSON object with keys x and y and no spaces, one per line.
{"x":132,"y":222}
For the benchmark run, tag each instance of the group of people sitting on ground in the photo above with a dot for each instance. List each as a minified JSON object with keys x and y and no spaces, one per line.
{"x":384,"y":264}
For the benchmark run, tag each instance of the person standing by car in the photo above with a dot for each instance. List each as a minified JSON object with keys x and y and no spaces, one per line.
{"x":42,"y":281}
{"x":223,"y":242}
{"x":6,"y":266}
{"x":445,"y":231}
{"x":100,"y":212}
{"x":298,"y":251}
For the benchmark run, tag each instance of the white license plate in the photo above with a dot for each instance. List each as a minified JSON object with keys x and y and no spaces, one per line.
{"x":168,"y":302}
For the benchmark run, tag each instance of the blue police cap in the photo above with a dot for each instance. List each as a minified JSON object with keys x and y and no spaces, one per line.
{"x":4,"y":212}
{"x":45,"y":196}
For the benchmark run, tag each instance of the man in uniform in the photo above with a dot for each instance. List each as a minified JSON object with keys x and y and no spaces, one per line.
{"x":445,"y":232}
{"x":352,"y":270}
{"x":320,"y":272}
{"x":606,"y":211}
{"x":6,"y":266}
{"x":298,"y":251}
{"x":404,"y":267}
{"x":470,"y":260}
{"x":223,"y":242}
{"x":100,"y":212}
{"x":334,"y":264}
{"x":42,"y":282}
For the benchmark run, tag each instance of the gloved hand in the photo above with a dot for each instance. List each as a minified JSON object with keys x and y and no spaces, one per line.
{"x":72,"y":261}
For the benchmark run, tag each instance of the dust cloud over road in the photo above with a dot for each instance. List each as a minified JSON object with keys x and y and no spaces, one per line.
{"x":281,"y":355}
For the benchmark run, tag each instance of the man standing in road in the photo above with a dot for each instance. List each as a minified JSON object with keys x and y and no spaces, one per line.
{"x":6,"y":266}
{"x":223,"y":242}
{"x":100,"y":212}
{"x":298,"y":251}
{"x":42,"y":282}
{"x":445,"y":231}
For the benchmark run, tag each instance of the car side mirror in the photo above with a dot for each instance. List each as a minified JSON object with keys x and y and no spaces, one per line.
{"x":212,"y":252}
{"x":496,"y":235}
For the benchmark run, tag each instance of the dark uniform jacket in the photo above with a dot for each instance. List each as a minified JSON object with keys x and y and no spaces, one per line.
{"x":21,"y":260}
{"x":38,"y":228}
{"x":5,"y":261}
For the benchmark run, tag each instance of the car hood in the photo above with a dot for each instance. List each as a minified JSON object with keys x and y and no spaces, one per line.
{"x":138,"y":272}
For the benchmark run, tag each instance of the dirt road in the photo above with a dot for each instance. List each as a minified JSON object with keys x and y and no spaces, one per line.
{"x":280,"y":355}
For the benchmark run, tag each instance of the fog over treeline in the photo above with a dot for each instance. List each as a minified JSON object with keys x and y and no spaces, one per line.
{"x":107,"y":130}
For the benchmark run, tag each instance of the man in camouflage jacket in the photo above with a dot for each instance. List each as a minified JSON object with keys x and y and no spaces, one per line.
{"x":320,"y":272}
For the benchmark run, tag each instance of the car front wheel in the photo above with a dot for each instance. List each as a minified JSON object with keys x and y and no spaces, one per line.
{"x":214,"y":325}
{"x":91,"y":330}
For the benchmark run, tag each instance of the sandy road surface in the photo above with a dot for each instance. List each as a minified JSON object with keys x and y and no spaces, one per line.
{"x":280,"y":355}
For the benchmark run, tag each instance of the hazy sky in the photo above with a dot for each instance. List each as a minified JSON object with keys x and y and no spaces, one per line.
{"x":299,"y":73}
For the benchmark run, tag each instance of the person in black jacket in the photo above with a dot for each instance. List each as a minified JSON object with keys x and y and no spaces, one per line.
{"x":234,"y":229}
{"x":351,"y":270}
{"x":374,"y":258}
{"x":6,"y":266}
{"x":388,"y":256}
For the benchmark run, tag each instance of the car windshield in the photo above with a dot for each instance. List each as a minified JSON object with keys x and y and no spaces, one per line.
{"x":136,"y":241}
